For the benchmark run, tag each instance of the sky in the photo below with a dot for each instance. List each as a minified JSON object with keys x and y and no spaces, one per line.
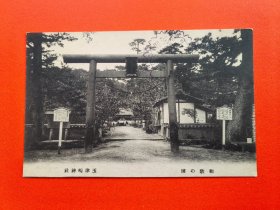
{"x":117,"y":42}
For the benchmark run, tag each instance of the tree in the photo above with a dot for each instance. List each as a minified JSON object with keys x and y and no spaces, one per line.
{"x":109,"y":100}
{"x":143,"y":94}
{"x":241,"y":125}
{"x":135,"y":45}
{"x":142,"y":91}
{"x":215,"y":77}
{"x":230,"y":81}
{"x":222,"y":77}
{"x":64,"y":87}
{"x":34,"y":89}
{"x":38,"y":57}
{"x":67,"y":87}
{"x":174,"y":48}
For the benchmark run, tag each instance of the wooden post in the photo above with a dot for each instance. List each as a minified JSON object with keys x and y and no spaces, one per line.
{"x":60,"y":136}
{"x":51,"y":134}
{"x":224,"y":134}
{"x":90,"y":110}
{"x":178,"y":101}
{"x":65,"y":133}
{"x":173,"y":126}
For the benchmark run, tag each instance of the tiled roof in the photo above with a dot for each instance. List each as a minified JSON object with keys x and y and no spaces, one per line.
{"x":125,"y":112}
{"x":181,"y":95}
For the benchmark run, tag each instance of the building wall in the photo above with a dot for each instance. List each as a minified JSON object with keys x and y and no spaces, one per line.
{"x":165,"y":113}
{"x":162,"y":114}
{"x":200,"y":116}
{"x":201,"y":133}
{"x":197,"y":133}
{"x":184,"y":117}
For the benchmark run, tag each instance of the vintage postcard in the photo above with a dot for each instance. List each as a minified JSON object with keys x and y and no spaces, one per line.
{"x":170,"y":103}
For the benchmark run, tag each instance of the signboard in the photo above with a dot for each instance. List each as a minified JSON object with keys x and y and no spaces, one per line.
{"x":224,"y":113}
{"x":61,"y":115}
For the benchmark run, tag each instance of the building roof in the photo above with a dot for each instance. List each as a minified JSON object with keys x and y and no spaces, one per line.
{"x":49,"y":112}
{"x":204,"y":107}
{"x":181,"y":95}
{"x":52,"y":111}
{"x":125,"y":112}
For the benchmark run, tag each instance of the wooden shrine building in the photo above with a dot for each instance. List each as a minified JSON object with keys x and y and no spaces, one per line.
{"x":192,"y":118}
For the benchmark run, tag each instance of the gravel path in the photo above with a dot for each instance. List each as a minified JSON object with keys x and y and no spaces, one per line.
{"x":128,"y":144}
{"x":138,"y":154}
{"x":139,"y":150}
{"x":128,"y":132}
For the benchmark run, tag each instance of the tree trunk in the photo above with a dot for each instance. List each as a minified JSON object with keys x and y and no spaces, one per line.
{"x":28,"y":132}
{"x":37,"y":99}
{"x":240,"y":127}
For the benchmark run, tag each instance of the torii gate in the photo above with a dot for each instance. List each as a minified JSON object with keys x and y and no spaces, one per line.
{"x":131,"y":72}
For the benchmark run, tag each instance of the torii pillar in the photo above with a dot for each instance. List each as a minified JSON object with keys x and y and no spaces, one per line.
{"x":171,"y":99}
{"x":90,"y":139}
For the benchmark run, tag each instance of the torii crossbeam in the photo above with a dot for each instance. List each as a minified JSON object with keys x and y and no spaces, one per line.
{"x":169,"y":59}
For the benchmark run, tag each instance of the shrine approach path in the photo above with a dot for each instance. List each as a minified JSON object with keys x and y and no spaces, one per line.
{"x":129,"y":144}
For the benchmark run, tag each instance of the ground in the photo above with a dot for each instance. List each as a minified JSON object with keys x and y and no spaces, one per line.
{"x":130,"y":152}
{"x":129,"y":144}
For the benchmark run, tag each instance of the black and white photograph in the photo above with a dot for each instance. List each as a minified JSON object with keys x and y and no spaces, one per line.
{"x":155,"y":103}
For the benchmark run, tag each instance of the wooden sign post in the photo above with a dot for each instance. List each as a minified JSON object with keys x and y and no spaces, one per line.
{"x":224,"y":113}
{"x":60,"y":115}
